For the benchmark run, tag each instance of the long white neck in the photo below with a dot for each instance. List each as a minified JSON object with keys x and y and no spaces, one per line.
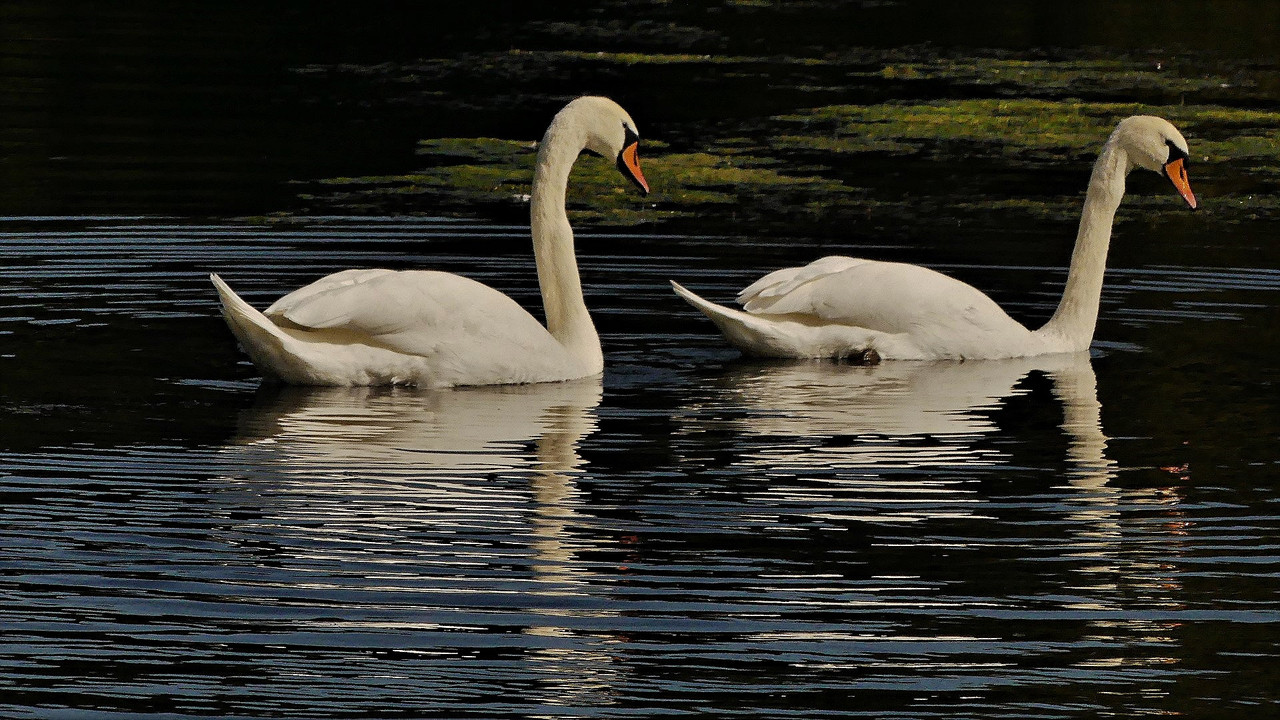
{"x":566,"y":311}
{"x":1072,"y":325}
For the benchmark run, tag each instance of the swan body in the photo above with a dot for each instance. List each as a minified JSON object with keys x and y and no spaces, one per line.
{"x":842,"y":307}
{"x":436,"y":329}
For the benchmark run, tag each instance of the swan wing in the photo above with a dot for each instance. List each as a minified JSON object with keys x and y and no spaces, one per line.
{"x":761,"y":294}
{"x":326,"y":287}
{"x":419,"y":312}
{"x":884,"y":297}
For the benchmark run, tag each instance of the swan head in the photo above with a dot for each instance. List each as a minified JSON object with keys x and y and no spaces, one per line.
{"x":1155,"y":144}
{"x":609,"y":132}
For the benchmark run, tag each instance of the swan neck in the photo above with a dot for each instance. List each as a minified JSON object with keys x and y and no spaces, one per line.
{"x":553,"y":248}
{"x":1073,"y":323}
{"x":1077,"y":386}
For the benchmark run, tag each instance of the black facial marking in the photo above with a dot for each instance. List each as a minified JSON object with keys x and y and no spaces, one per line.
{"x":1175,"y":153}
{"x":629,"y":139}
{"x":626,"y":172}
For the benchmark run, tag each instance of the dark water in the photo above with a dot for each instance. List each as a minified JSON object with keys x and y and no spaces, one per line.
{"x":695,"y":534}
{"x":692,"y":534}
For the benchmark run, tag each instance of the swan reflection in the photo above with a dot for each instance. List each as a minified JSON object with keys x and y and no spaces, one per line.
{"x":903,"y":442}
{"x":947,"y":407}
{"x":397,"y":432}
{"x":499,"y":460}
{"x":461,"y":490}
{"x":897,"y":440}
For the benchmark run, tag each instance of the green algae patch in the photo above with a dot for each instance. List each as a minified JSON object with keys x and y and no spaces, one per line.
{"x":488,"y":150}
{"x":810,"y":139}
{"x":1019,"y":130}
{"x":824,"y":168}
{"x":1096,"y":77}
{"x":635,"y":58}
{"x":1235,"y":153}
{"x":490,"y":176}
{"x":1026,"y":129}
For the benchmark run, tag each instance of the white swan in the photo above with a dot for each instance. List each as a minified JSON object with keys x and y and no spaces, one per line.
{"x":851,"y":308}
{"x":436,"y":329}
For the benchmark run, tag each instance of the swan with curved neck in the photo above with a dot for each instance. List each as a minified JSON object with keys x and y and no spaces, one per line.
{"x":852,"y":308}
{"x":436,"y":329}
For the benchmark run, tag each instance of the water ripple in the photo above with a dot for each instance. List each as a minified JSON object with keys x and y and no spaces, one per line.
{"x":695,"y":534}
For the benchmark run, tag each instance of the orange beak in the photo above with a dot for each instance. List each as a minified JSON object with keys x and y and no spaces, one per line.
{"x":1176,"y":171}
{"x":629,"y":164}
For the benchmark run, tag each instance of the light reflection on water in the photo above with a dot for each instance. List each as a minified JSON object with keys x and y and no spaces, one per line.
{"x":368,"y":470}
{"x":692,"y":531}
{"x":903,"y":418}
{"x":375,"y":467}
{"x":487,"y":461}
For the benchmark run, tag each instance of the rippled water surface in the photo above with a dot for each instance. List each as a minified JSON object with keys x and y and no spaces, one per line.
{"x":694,"y":534}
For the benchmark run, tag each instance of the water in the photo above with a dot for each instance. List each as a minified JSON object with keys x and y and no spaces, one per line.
{"x":694,"y":534}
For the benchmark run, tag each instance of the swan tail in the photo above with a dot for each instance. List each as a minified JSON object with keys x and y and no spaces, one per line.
{"x":780,"y":337}
{"x":262,"y":339}
{"x":751,"y":334}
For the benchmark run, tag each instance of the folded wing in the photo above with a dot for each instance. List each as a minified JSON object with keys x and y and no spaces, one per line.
{"x":884,"y":297}
{"x":417,"y":312}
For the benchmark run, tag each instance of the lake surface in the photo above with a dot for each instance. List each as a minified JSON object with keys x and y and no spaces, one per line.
{"x":694,"y":533}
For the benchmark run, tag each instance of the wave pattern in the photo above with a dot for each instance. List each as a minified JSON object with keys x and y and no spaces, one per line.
{"x":693,"y":535}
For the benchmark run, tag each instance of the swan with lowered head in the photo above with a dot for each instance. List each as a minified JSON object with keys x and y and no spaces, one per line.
{"x":867,"y":310}
{"x":436,"y":329}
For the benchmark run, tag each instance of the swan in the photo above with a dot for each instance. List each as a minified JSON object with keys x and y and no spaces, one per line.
{"x":866,"y":310}
{"x":437,"y":329}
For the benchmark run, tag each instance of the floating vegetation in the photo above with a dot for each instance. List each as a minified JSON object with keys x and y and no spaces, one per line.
{"x":1026,"y":130}
{"x":798,"y":173}
{"x":1094,"y":78}
{"x":881,"y":137}
{"x":485,"y":174}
